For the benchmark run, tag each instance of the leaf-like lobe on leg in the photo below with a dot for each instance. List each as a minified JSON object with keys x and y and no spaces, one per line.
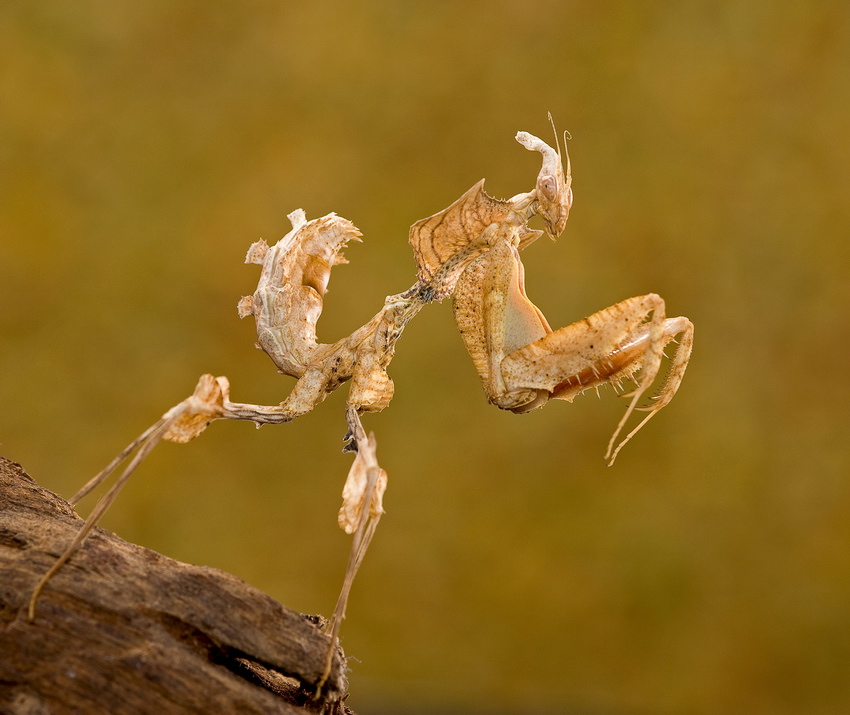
{"x":371,"y":387}
{"x":196,"y":412}
{"x":354,"y":491}
{"x":295,"y":273}
{"x":257,"y":252}
{"x":245,"y":307}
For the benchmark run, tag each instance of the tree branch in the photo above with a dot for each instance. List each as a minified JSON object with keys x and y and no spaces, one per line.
{"x":124,"y":629}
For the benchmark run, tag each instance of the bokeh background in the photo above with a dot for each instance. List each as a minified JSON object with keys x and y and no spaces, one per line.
{"x":145,"y":146}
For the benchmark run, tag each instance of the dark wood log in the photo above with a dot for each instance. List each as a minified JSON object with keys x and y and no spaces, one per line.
{"x":123,"y":629}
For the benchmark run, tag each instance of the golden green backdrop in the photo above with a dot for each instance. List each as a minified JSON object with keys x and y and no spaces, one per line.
{"x":145,"y":146}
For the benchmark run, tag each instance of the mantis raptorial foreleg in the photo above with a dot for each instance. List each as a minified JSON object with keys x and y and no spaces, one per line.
{"x":605,"y":348}
{"x":523,"y":363}
{"x":495,"y":317}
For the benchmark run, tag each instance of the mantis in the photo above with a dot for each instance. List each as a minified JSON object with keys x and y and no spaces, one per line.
{"x":522,"y":362}
{"x":469,"y":252}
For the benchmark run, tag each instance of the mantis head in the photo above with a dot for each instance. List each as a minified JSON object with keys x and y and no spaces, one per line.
{"x":553,"y":193}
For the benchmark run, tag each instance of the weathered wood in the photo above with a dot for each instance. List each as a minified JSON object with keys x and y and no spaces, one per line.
{"x":123,"y":629}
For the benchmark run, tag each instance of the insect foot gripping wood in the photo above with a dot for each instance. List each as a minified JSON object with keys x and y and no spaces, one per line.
{"x":469,"y":251}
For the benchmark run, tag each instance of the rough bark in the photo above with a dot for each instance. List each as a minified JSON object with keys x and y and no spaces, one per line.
{"x":123,"y":629}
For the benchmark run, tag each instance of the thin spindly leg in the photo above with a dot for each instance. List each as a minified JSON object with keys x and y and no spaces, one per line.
{"x":672,"y":328}
{"x":95,"y":481}
{"x":148,"y":441}
{"x":650,"y":360}
{"x":604,"y":348}
{"x":360,"y":515}
{"x":180,"y":424}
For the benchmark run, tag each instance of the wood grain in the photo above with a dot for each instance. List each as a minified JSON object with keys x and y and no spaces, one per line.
{"x":123,"y":629}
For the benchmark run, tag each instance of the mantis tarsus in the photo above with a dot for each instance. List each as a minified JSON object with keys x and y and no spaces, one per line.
{"x":469,"y":251}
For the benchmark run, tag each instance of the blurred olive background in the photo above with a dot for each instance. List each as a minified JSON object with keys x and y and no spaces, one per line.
{"x":145,"y":146}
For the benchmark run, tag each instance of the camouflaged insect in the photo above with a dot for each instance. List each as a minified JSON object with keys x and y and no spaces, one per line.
{"x":470,"y":252}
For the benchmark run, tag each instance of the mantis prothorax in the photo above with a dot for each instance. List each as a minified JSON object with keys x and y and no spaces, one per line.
{"x":469,"y":251}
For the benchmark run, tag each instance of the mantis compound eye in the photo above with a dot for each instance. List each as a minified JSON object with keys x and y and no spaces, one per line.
{"x":548,"y":187}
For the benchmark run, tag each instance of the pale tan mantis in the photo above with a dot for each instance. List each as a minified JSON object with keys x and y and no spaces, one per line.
{"x":521,"y":361}
{"x":469,"y":251}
